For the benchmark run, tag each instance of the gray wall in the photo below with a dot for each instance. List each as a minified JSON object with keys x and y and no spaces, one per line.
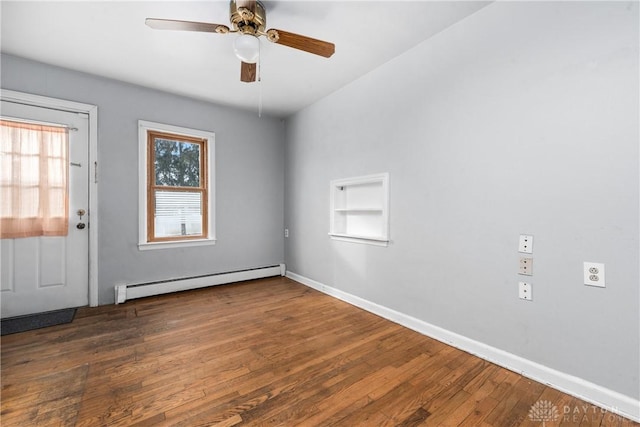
{"x":249,"y":175}
{"x":521,"y":119}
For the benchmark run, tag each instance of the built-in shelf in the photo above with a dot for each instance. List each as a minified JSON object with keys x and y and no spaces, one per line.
{"x":360,"y":209}
{"x":363,"y":210}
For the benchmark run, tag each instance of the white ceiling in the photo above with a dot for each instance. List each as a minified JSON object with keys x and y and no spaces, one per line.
{"x":110,"y":39}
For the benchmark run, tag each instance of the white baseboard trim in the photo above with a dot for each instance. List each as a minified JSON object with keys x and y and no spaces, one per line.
{"x":605,"y":398}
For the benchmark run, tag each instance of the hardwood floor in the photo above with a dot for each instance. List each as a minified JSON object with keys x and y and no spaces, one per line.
{"x":265,"y":352}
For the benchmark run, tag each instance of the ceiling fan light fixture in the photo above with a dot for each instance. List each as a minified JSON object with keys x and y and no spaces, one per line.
{"x":247,"y":48}
{"x":248,"y":18}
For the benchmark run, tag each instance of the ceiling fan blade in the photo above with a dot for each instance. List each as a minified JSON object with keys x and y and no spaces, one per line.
{"x":172,"y":24}
{"x":248,"y":72}
{"x":296,"y":41}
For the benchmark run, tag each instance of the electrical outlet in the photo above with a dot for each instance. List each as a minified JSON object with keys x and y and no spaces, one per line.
{"x":525,"y":291}
{"x":525,"y":245}
{"x":526,"y":266}
{"x":594,"y":274}
{"x":286,"y":232}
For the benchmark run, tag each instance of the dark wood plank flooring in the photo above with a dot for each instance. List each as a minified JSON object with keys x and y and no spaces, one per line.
{"x":267,"y":352}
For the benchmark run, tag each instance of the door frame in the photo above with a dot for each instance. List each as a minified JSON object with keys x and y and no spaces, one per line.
{"x":92,"y":111}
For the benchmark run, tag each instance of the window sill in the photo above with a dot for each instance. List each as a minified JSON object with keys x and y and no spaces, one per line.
{"x":172,"y":245}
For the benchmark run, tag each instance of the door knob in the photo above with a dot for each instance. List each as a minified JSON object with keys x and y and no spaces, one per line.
{"x":81,"y":226}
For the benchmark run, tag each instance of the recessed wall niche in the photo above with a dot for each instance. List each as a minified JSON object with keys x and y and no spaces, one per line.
{"x":360,"y":209}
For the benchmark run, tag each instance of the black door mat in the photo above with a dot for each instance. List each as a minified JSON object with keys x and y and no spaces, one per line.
{"x":17,"y":324}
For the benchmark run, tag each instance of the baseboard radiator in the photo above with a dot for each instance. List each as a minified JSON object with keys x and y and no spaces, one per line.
{"x":127,"y":291}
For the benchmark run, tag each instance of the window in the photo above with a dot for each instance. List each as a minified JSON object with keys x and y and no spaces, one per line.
{"x":33,"y":180}
{"x":176,"y":186}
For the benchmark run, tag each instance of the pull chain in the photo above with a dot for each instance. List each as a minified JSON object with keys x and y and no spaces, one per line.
{"x":259,"y":83}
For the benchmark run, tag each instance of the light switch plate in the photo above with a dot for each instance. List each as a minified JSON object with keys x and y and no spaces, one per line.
{"x":525,"y":245}
{"x":526,"y":266}
{"x":525,"y":291}
{"x":594,"y":274}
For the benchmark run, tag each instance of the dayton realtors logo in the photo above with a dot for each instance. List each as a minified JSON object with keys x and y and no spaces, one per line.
{"x":544,"y":411}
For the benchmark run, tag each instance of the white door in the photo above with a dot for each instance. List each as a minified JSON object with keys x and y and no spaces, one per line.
{"x":41,"y":274}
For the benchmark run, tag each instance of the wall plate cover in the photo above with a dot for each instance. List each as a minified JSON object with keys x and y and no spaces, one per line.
{"x":526,"y":266}
{"x":525,"y":291}
{"x":525,"y":245}
{"x":594,"y":274}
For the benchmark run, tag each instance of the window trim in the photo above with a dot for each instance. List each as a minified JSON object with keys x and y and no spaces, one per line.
{"x":143,"y":179}
{"x":153,"y":188}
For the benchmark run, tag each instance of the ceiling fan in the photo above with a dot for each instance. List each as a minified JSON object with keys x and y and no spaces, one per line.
{"x":249,"y":18}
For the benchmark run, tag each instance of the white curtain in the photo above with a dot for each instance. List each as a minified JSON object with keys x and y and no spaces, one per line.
{"x":34,"y":174}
